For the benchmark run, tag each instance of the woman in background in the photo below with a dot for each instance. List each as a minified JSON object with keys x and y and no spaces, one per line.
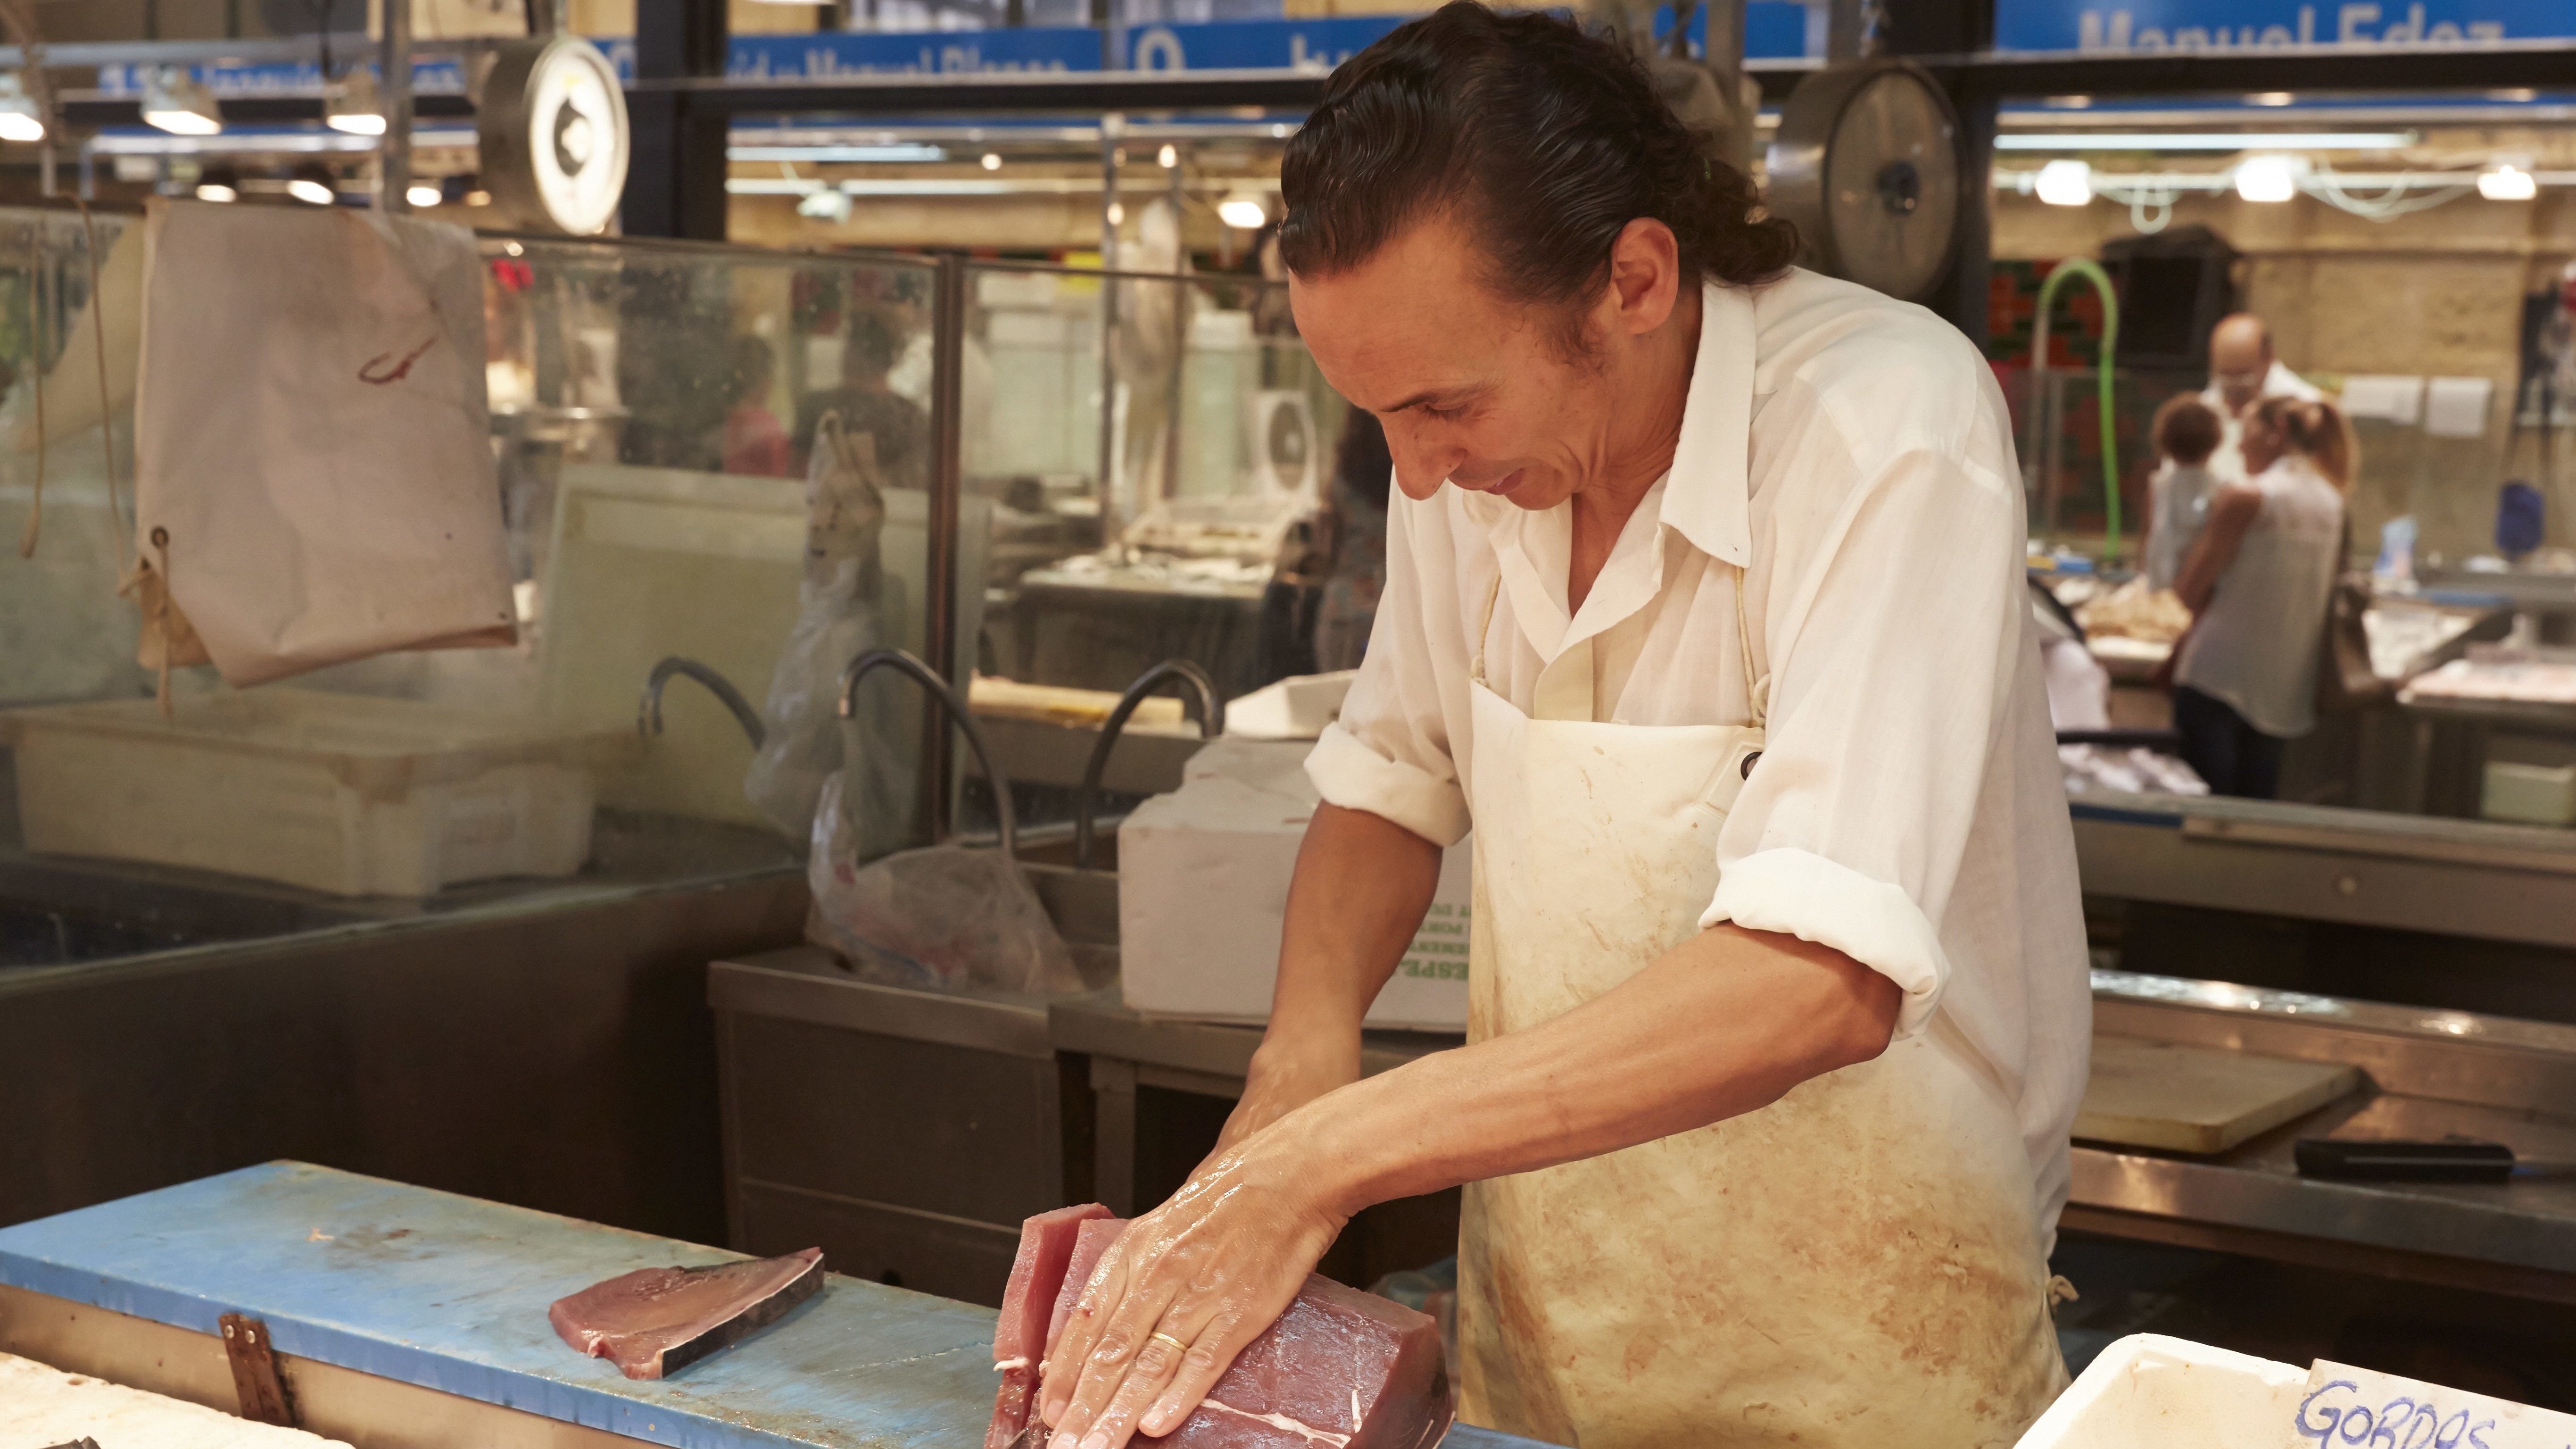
{"x":2258,"y":581}
{"x":754,"y":443}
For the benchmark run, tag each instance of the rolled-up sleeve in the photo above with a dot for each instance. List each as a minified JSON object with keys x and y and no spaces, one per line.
{"x":1890,"y":614}
{"x":1389,"y":754}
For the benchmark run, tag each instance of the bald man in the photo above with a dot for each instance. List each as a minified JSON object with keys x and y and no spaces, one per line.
{"x":2243,"y":372}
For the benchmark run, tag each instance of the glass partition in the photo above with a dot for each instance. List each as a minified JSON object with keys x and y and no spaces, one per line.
{"x":653,"y":413}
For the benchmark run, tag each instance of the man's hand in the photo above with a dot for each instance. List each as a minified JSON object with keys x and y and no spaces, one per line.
{"x":1212,"y":1268}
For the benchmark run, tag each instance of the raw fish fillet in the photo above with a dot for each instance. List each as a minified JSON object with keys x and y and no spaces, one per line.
{"x":1341,"y":1369}
{"x":1020,"y":1334}
{"x":656,"y":1321}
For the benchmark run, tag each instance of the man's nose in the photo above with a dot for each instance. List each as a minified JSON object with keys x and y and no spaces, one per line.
{"x":1422,"y":461}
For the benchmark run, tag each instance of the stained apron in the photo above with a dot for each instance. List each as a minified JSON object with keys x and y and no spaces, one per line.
{"x":1856,"y":1264}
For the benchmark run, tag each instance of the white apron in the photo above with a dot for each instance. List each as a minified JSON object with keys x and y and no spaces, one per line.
{"x":1856,"y":1264}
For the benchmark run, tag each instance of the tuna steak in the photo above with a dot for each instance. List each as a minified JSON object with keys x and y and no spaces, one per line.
{"x":1028,"y":1299}
{"x":1341,"y":1369}
{"x":657,"y":1321}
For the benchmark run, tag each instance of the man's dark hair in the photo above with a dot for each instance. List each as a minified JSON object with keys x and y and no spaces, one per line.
{"x":1544,"y":141}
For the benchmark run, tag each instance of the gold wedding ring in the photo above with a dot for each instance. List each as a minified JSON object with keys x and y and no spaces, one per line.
{"x":1167,"y":1338}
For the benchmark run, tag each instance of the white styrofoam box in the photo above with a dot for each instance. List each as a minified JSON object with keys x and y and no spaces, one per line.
{"x":2152,"y":1392}
{"x":40,"y":1404}
{"x":2529,"y":794}
{"x":341,"y":793}
{"x":1295,"y":708}
{"x":1203,"y":896}
{"x":2148,"y":1391}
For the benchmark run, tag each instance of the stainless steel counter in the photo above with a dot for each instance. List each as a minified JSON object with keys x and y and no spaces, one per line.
{"x":2431,"y":1073}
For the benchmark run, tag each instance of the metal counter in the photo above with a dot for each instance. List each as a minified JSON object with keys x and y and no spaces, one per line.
{"x":2354,"y":867}
{"x":2431,"y":1073}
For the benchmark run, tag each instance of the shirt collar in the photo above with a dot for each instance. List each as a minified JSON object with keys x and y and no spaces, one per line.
{"x":1709,"y":501}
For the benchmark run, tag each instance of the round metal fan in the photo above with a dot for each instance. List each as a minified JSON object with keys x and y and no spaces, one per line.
{"x":1866,"y":162}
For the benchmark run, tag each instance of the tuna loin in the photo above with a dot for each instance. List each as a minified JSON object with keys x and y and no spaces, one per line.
{"x":656,"y":1321}
{"x":1341,"y":1369}
{"x":1028,"y":1300}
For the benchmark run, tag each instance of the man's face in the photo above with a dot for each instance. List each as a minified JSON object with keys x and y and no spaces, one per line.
{"x":1473,"y":388}
{"x":2239,"y":357}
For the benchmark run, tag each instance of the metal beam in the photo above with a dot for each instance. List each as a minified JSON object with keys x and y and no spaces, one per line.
{"x":675,"y":179}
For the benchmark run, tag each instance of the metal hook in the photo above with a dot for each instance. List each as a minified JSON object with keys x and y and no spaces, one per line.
{"x":648,"y":710}
{"x":904,"y":662}
{"x":1211,"y":724}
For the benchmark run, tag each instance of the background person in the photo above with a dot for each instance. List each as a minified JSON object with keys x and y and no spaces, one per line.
{"x":2186,"y":432}
{"x":2242,"y":372}
{"x":754,"y":443}
{"x":2258,"y":582}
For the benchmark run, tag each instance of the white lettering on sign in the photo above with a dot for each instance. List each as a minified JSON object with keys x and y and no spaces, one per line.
{"x":2350,"y":1408}
{"x":2359,"y":22}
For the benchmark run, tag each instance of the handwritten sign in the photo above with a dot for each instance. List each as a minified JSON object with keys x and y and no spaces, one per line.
{"x":2350,"y":1408}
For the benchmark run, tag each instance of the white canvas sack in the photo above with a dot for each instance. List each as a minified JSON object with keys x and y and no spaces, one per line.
{"x":314,"y":480}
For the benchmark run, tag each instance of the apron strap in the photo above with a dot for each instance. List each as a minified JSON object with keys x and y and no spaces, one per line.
{"x":1757,"y":686}
{"x":1484,"y":626}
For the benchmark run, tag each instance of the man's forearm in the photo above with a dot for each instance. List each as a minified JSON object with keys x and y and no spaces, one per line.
{"x":1361,"y":886}
{"x":1723,"y":1024}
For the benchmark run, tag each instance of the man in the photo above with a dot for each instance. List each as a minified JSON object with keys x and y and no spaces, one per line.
{"x":1704,"y":603}
{"x":2243,"y":372}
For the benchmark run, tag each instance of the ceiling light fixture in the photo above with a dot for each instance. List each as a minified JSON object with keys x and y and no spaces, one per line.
{"x":312,"y":185}
{"x":2203,"y":140}
{"x":176,"y":101}
{"x":19,"y":118}
{"x":992,"y":162}
{"x":2065,"y":183}
{"x":2508,"y":182}
{"x":352,"y":107}
{"x":423,"y":194}
{"x":2267,"y":178}
{"x":828,"y":203}
{"x":1244,"y":211}
{"x":219,"y":183}
{"x":1170,"y":156}
{"x":2270,"y":98}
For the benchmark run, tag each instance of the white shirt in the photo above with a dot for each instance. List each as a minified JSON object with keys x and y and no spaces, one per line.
{"x":1853,"y":455}
{"x":2257,"y":644}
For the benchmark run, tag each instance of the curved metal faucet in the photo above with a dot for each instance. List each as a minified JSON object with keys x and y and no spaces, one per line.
{"x":648,"y":710}
{"x":1211,"y":724}
{"x":903,"y":662}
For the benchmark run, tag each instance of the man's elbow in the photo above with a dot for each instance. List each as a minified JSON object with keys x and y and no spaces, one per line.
{"x":1865,"y":1021}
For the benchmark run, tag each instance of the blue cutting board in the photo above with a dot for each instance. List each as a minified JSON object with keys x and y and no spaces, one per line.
{"x":451,"y":1293}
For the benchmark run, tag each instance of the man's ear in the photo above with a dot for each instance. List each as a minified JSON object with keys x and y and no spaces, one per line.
{"x":1645,"y":275}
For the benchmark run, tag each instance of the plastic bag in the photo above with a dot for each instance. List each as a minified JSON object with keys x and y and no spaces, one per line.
{"x":841,"y":614}
{"x":943,"y":918}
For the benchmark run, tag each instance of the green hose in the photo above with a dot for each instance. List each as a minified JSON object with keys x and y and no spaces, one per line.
{"x":2090,"y":271}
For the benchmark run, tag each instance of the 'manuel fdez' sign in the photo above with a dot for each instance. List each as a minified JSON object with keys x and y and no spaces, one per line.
{"x":2220,"y":25}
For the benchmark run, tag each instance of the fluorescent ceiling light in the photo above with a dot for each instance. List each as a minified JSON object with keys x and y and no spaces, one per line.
{"x":2508,"y":183}
{"x":992,"y":162}
{"x":19,"y":118}
{"x":894,"y":151}
{"x":1117,"y":213}
{"x":421,"y":194}
{"x":1170,"y":156}
{"x":2065,"y":183}
{"x":311,"y":193}
{"x":176,"y":101}
{"x":2266,"y":178}
{"x":353,"y":108}
{"x":2270,"y":98}
{"x":2204,"y":140}
{"x":1244,"y":211}
{"x":216,"y":191}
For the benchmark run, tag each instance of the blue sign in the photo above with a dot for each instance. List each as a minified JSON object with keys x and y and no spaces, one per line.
{"x":830,"y":55}
{"x":1309,"y":45}
{"x":2227,"y":25}
{"x":444,"y":77}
